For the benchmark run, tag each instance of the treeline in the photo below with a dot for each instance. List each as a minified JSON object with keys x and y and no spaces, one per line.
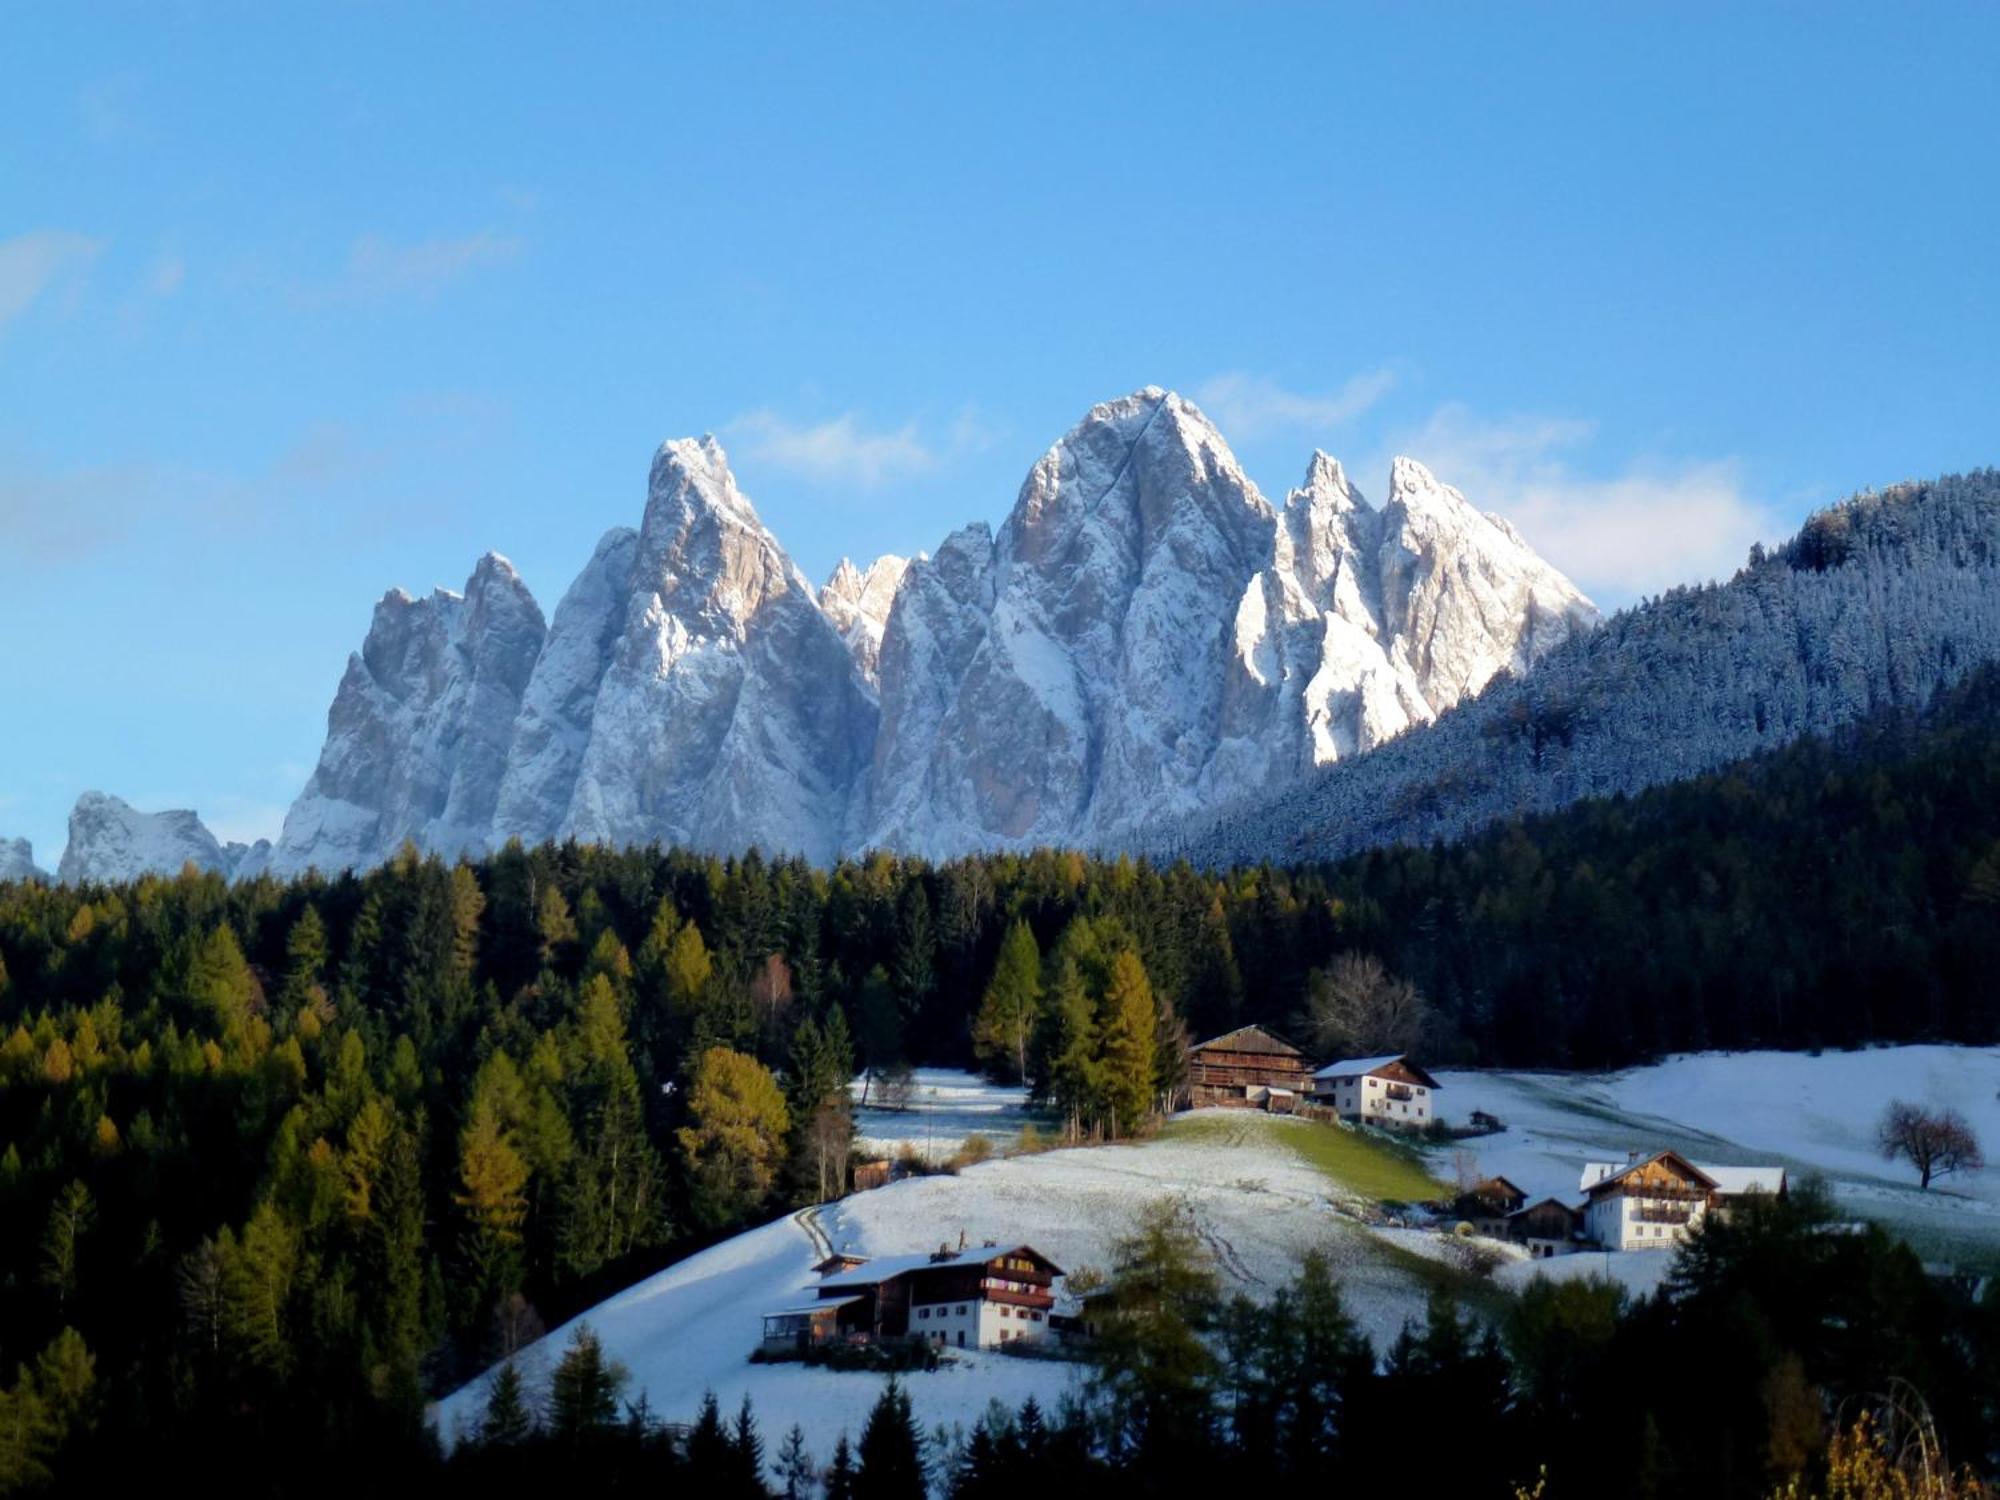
{"x":1775,"y":1333}
{"x":1832,"y":893}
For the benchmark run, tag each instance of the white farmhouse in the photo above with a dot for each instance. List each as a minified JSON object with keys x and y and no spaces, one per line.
{"x":1656,"y":1202}
{"x":1389,"y":1090}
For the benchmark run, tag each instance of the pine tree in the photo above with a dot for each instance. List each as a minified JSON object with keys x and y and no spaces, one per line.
{"x":1126,"y":1022}
{"x":840,"y":1478}
{"x":746,"y":1452}
{"x":1068,"y":1049}
{"x":710,"y":1457}
{"x":508,"y":1423}
{"x":735,"y":1138}
{"x":796,"y":1475}
{"x":891,"y":1450}
{"x":1006,"y":1020}
{"x":583,"y":1393}
{"x":70,"y":1218}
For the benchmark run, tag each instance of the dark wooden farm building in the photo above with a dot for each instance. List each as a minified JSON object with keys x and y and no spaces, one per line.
{"x":1248,"y":1066}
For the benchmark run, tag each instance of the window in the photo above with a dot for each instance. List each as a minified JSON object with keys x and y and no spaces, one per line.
{"x":923,"y":1312}
{"x":961,"y":1309}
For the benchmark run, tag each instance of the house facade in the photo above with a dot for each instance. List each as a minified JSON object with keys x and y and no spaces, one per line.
{"x":1247,"y":1067}
{"x":1389,"y":1090}
{"x":1486,"y":1205}
{"x":1546,"y":1228}
{"x":975,"y":1298}
{"x":1657,"y":1202}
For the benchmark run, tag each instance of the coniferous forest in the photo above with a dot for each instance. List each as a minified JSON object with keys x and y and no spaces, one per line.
{"x":281,"y":1161}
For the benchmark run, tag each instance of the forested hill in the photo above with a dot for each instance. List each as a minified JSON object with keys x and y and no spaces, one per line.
{"x":288,"y":1156}
{"x":1877,"y":603}
{"x":1837,"y":891}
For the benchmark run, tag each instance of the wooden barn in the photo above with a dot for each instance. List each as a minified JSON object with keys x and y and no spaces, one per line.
{"x":1248,"y":1067}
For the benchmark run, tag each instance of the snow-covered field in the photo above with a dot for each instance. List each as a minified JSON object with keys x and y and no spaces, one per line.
{"x":691,"y":1327}
{"x":1260,"y":1205}
{"x":1809,"y":1114}
{"x":945,"y":1107}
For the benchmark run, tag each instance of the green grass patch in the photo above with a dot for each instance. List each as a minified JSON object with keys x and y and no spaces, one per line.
{"x":1361,"y":1163}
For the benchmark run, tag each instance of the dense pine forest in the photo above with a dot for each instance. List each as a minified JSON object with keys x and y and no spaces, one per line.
{"x":279,"y":1161}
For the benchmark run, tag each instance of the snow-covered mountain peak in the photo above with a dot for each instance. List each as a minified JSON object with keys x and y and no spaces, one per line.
{"x":707,"y":559}
{"x":858,"y":604}
{"x":111,"y":840}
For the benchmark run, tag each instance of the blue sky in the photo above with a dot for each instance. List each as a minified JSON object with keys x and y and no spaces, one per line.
{"x":298,"y":303}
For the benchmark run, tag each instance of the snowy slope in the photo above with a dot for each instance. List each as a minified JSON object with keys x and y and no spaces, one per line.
{"x":1810,"y":1114}
{"x":690,"y":1328}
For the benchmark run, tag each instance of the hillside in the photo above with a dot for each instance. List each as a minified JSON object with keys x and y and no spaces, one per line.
{"x":1876,"y":604}
{"x":1262,"y":1197}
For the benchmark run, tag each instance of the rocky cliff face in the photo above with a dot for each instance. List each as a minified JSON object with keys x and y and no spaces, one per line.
{"x":421,"y":728}
{"x":1148,"y":636}
{"x":1144,"y":638}
{"x":17,"y":861}
{"x":858,"y":603}
{"x":110,"y":840}
{"x":730,"y":712}
{"x":1878,"y":603}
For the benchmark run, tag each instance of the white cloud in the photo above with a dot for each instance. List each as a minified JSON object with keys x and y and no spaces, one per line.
{"x":1654,"y":524}
{"x":836,"y":451}
{"x":1247,"y":407}
{"x":32,"y":263}
{"x":378,"y":266}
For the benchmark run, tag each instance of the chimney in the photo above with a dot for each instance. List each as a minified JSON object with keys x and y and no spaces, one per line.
{"x":1632,"y":1158}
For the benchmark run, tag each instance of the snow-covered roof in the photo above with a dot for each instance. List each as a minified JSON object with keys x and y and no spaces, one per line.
{"x":1733,"y":1180}
{"x":1349,"y":1067}
{"x":1249,"y":1039}
{"x":889,"y":1267}
{"x":826,"y":1305}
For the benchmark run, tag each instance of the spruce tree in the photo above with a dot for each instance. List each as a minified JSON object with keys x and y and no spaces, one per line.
{"x":794,"y":1468}
{"x":891,"y":1451}
{"x":508,"y":1422}
{"x":583,"y":1394}
{"x":1005,"y":1023}
{"x":841,"y":1478}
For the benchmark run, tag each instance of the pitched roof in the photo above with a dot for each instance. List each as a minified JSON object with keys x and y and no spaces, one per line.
{"x":889,"y":1267}
{"x":826,"y":1304}
{"x":1728,"y":1181}
{"x":1601,"y":1174}
{"x":1501,"y":1183}
{"x":1250,"y":1039}
{"x":1350,"y":1067}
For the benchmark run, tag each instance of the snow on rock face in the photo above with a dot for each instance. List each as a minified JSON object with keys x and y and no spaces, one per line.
{"x":1153,"y":637}
{"x":730,"y":712}
{"x":560,"y":702}
{"x":111,"y":841}
{"x":17,"y":861}
{"x":1145,"y":638}
{"x":419,"y":733}
{"x":858,"y":604}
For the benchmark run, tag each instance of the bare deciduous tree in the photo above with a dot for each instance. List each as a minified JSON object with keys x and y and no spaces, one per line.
{"x":1934,"y":1141}
{"x":1355,"y":1007}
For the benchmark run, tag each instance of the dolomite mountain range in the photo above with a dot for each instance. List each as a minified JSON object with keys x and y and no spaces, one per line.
{"x":1146,"y":637}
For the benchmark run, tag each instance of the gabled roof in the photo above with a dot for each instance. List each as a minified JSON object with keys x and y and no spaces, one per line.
{"x":1602,"y":1174}
{"x":1249,"y":1039}
{"x":889,"y":1267}
{"x":1501,"y":1183}
{"x":1355,"y":1067}
{"x":1731,"y":1181}
{"x":1540,"y":1203}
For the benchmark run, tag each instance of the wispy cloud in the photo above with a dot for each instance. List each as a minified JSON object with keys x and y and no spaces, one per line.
{"x":35,"y":263}
{"x":168,"y":272}
{"x":1643,"y":528}
{"x":843,"y":451}
{"x":377,"y":265}
{"x":379,"y":268}
{"x":1247,"y":407}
